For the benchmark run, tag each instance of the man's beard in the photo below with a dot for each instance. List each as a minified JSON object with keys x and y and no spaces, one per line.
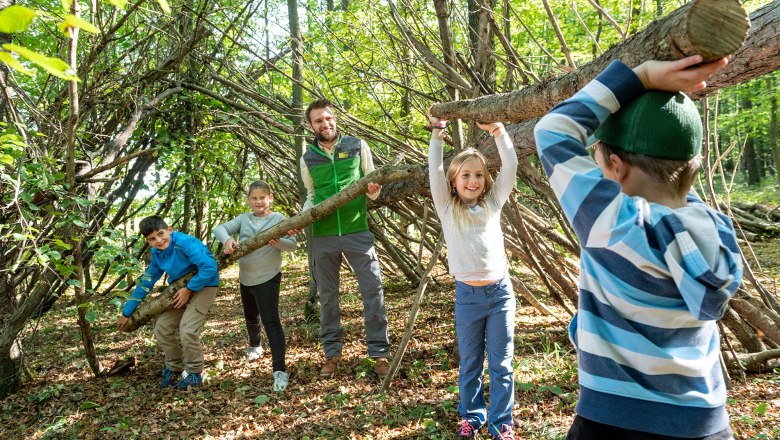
{"x":322,"y":138}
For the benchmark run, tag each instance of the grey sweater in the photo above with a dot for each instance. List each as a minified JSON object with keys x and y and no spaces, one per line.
{"x":264,"y":263}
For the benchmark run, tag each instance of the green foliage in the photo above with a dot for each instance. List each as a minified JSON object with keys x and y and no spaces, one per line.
{"x":71,"y":21}
{"x":15,"y":19}
{"x":54,"y":66}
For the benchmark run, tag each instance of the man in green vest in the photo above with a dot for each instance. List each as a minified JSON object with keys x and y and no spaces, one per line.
{"x":331,"y":163}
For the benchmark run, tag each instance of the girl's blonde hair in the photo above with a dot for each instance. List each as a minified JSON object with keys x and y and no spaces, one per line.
{"x":460,"y":210}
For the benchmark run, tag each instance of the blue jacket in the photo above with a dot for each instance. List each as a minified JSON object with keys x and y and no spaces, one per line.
{"x":183,"y":254}
{"x":653,"y":281}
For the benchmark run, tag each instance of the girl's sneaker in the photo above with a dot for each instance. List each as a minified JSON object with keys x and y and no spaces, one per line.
{"x":465,"y":430}
{"x":169,"y":377}
{"x":253,"y":353}
{"x":281,"y":378}
{"x":505,"y":433}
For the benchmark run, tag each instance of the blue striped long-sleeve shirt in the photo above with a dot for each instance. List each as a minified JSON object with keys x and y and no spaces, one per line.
{"x":653,"y":281}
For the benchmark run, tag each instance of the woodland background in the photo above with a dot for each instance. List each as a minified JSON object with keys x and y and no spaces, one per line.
{"x":173,"y":108}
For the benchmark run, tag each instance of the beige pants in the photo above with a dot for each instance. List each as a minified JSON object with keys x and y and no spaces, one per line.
{"x":187,"y":355}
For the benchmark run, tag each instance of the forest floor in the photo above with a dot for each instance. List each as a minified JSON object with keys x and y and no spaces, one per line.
{"x":61,"y":399}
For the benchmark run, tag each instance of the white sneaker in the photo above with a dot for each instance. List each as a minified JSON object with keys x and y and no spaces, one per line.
{"x":281,"y":379}
{"x":253,"y":353}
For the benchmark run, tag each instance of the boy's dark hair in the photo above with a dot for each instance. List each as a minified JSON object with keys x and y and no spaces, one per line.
{"x":259,"y":184}
{"x":318,"y":104}
{"x":676,"y":175}
{"x":151,"y":224}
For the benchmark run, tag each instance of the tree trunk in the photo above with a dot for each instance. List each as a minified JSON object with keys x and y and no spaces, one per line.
{"x":11,"y":364}
{"x":448,"y":51}
{"x":77,"y":235}
{"x":713,"y":28}
{"x":749,"y":155}
{"x":299,"y":140}
{"x":774,"y":145}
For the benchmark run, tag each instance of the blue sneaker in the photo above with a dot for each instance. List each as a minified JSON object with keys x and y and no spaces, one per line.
{"x":191,"y":380}
{"x":169,"y":377}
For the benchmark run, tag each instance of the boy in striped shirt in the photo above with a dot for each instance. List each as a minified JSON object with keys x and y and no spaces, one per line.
{"x":658,"y":265}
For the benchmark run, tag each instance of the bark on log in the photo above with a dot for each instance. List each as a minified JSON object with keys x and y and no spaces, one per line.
{"x":758,"y":317}
{"x":712,"y":28}
{"x":154,"y":306}
{"x":752,"y":362}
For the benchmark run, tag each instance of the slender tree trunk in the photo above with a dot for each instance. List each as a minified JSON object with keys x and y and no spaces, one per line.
{"x":443,"y":8}
{"x":310,"y":309}
{"x":774,"y":145}
{"x":76,"y":235}
{"x":749,"y":155}
{"x":11,"y":360}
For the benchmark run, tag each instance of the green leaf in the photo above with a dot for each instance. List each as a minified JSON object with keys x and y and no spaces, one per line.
{"x":164,"y":5}
{"x":15,"y":19}
{"x":760,"y":409}
{"x":15,"y":64}
{"x":116,"y":302}
{"x":71,"y":21}
{"x":62,"y":244}
{"x":262,"y":399}
{"x":118,"y":3}
{"x":54,"y":66}
{"x":88,"y":405}
{"x":54,"y":255}
{"x":76,"y":283}
{"x":6,"y":159}
{"x":90,"y":316}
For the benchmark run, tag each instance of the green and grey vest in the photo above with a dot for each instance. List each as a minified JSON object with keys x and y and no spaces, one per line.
{"x":331,"y":175}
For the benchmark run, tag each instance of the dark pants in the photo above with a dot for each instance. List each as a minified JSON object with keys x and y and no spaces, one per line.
{"x":261,"y":308}
{"x":584,"y":429}
{"x":358,"y":248}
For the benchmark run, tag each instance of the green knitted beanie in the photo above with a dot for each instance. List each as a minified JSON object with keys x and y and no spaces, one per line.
{"x":657,"y":124}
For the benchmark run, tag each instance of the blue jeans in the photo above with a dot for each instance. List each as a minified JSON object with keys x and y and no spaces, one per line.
{"x":486,"y":313}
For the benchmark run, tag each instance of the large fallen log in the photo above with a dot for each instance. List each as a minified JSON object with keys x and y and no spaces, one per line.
{"x":712,"y":28}
{"x":152,"y":307}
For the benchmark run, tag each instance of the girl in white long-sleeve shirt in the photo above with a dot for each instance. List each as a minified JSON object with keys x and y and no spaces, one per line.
{"x":469,"y":203}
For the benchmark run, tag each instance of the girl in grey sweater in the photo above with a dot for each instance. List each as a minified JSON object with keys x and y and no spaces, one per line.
{"x":260,"y":274}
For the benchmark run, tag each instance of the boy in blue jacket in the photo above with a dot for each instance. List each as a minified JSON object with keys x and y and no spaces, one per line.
{"x":176,"y":254}
{"x":657,"y":265}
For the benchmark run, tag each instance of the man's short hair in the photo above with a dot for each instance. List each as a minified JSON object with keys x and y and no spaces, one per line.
{"x":318,"y":104}
{"x":151,"y":224}
{"x":676,"y":175}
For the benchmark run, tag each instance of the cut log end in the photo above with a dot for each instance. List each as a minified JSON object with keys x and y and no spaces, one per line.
{"x":716,"y":28}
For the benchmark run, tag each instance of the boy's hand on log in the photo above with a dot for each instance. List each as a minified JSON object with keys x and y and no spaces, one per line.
{"x":683,"y":75}
{"x":180,"y":298}
{"x":121,"y":320}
